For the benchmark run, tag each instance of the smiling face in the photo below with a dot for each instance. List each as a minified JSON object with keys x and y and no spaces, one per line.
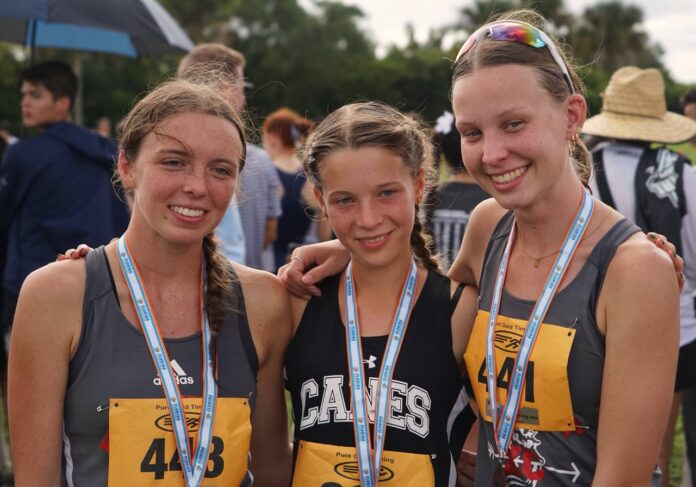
{"x":370,"y":195}
{"x":515,"y":135}
{"x":183,"y":176}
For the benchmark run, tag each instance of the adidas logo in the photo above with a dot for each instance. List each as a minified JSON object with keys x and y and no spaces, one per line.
{"x":180,"y":375}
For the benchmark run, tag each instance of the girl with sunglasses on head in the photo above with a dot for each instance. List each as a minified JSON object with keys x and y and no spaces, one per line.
{"x":375,"y":366}
{"x":148,"y":362}
{"x":573,"y":350}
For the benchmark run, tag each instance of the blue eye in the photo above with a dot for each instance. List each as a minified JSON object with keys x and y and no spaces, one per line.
{"x":471,"y":134}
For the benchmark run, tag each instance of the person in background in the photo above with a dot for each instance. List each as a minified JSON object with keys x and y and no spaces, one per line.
{"x":282,"y":134}
{"x":257,"y":204}
{"x":449,"y":208}
{"x":656,"y":188}
{"x":6,"y":134}
{"x":55,"y":187}
{"x":688,"y":105}
{"x":103,"y":127}
{"x":687,"y":102}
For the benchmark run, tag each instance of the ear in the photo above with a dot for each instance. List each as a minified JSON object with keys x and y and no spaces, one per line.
{"x":319,"y":199}
{"x":63,"y":104}
{"x":420,"y":186}
{"x":125,"y":171}
{"x":576,"y":112}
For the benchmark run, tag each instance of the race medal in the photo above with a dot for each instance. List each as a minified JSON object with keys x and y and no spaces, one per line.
{"x":369,"y":461}
{"x":504,"y":419}
{"x":193,"y":457}
{"x":545,"y":403}
{"x":142,"y":450}
{"x":323,"y":465}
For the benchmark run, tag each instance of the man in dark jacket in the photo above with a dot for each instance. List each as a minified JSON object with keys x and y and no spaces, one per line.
{"x":55,"y":187}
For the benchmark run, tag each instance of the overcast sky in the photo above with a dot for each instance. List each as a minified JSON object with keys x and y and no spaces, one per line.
{"x":671,"y":23}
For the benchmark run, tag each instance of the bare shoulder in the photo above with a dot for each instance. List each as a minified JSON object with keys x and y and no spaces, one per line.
{"x":261,"y":287}
{"x":267,"y":308}
{"x":639,"y":261}
{"x":53,"y":295}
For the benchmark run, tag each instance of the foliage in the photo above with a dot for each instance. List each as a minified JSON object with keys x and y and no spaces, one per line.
{"x":315,"y":59}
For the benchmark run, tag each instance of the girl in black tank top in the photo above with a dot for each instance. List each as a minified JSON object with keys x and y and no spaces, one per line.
{"x":368,"y":165}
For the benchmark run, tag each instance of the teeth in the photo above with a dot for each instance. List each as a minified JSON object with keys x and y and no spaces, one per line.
{"x":373,"y":240}
{"x":187,"y":211}
{"x":508,"y":176}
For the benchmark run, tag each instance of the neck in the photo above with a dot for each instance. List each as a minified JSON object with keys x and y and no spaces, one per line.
{"x":160,"y":260}
{"x":379,"y":280}
{"x":544,"y":225}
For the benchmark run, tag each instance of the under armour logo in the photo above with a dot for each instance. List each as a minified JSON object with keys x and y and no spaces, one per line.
{"x":370,"y":362}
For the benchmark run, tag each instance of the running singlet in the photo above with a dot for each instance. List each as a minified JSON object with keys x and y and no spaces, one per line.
{"x":117,"y":428}
{"x":428,"y":416}
{"x":555,"y":436}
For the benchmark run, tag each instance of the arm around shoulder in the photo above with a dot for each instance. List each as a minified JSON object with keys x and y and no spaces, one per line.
{"x":638,"y":311}
{"x":45,"y":333}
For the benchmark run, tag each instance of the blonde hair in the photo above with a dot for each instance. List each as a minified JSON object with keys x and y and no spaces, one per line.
{"x":375,"y":124}
{"x":169,"y":99}
{"x":488,"y":52}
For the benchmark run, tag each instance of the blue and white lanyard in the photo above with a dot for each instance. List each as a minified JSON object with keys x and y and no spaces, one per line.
{"x":194,"y":469}
{"x":368,"y":463}
{"x":503,"y":429}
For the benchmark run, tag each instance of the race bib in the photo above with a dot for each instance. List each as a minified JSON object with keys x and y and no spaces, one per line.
{"x":320,"y":465}
{"x":142,"y":449}
{"x":545,"y":403}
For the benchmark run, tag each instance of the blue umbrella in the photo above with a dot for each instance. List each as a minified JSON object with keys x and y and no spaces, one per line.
{"x":124,"y":27}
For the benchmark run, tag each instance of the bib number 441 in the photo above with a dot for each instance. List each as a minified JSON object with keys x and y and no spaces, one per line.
{"x":155,"y":459}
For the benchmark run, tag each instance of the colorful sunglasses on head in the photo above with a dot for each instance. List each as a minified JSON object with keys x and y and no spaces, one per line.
{"x":517,"y":31}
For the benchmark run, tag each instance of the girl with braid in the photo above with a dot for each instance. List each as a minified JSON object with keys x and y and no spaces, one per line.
{"x":148,"y":362}
{"x":375,"y":366}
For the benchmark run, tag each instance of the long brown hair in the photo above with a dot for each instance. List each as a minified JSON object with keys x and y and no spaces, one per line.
{"x":375,"y":124}
{"x":489,"y":52}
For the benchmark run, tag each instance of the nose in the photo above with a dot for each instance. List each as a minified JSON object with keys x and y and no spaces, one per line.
{"x":369,"y":215}
{"x":195,"y":182}
{"x":494,"y":149}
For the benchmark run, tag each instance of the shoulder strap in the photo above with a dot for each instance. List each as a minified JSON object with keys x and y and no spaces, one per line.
{"x":601,"y":177}
{"x":502,"y":230}
{"x":604,"y":251}
{"x":454,"y":300}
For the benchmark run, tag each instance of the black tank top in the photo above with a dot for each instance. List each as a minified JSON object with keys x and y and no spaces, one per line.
{"x":429,"y":414}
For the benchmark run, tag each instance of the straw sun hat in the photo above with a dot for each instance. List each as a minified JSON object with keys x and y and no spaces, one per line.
{"x":634,"y":108}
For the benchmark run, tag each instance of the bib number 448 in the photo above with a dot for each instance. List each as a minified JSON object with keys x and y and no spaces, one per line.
{"x":155,"y":459}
